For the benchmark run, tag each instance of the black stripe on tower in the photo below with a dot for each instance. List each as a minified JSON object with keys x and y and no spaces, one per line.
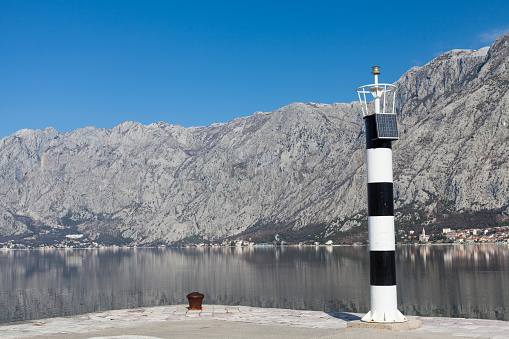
{"x":371,"y":141}
{"x":382,"y":268}
{"x":380,"y":199}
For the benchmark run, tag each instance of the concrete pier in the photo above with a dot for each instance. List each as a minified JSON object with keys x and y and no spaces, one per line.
{"x":219,"y":321}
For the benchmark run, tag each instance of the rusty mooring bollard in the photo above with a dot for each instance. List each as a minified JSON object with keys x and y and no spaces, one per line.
{"x":195,"y":300}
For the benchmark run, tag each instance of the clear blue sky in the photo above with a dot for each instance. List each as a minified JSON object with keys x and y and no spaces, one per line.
{"x":70,"y":64}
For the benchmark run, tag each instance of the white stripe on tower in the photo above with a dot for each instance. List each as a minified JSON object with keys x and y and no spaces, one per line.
{"x":379,"y":164}
{"x":381,"y":233}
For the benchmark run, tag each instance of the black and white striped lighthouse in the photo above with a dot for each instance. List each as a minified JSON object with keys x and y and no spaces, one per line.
{"x":381,"y":130}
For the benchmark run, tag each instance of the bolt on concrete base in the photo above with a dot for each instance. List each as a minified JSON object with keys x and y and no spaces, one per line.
{"x":411,"y":324}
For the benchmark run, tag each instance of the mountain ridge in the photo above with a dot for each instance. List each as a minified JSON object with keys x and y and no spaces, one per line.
{"x":297,"y":171}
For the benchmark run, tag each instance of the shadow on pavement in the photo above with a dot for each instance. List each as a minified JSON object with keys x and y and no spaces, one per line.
{"x":344,"y":316}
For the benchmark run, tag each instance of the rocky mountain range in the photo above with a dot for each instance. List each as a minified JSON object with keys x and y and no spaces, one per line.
{"x":298,"y":171}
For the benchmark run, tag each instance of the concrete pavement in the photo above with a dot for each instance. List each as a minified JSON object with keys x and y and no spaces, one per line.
{"x":219,"y":321}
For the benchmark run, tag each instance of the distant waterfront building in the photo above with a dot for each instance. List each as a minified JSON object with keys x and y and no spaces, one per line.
{"x":446,"y":230}
{"x":423,"y":237}
{"x":74,"y":236}
{"x":451,"y":235}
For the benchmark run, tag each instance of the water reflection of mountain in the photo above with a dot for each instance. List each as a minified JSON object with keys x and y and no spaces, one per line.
{"x":465,"y":281}
{"x":455,"y":281}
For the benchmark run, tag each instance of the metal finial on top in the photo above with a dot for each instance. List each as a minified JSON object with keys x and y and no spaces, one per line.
{"x":384,"y":96}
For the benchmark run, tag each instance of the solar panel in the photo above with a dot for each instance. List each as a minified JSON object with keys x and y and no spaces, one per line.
{"x":386,"y":126}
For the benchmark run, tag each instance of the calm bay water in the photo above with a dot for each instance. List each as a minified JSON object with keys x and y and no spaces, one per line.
{"x":452,"y":280}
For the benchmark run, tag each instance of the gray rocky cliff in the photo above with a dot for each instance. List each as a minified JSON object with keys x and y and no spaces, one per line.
{"x":164,"y":182}
{"x":300,"y":167}
{"x":455,"y":122}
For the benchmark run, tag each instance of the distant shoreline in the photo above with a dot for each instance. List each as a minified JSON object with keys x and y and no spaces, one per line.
{"x":242,"y":247}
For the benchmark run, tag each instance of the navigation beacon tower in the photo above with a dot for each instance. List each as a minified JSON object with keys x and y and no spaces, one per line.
{"x":381,"y":130}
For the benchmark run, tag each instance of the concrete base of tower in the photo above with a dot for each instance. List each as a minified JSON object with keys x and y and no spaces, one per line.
{"x":388,"y":316}
{"x":410,"y":324}
{"x":384,"y":308}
